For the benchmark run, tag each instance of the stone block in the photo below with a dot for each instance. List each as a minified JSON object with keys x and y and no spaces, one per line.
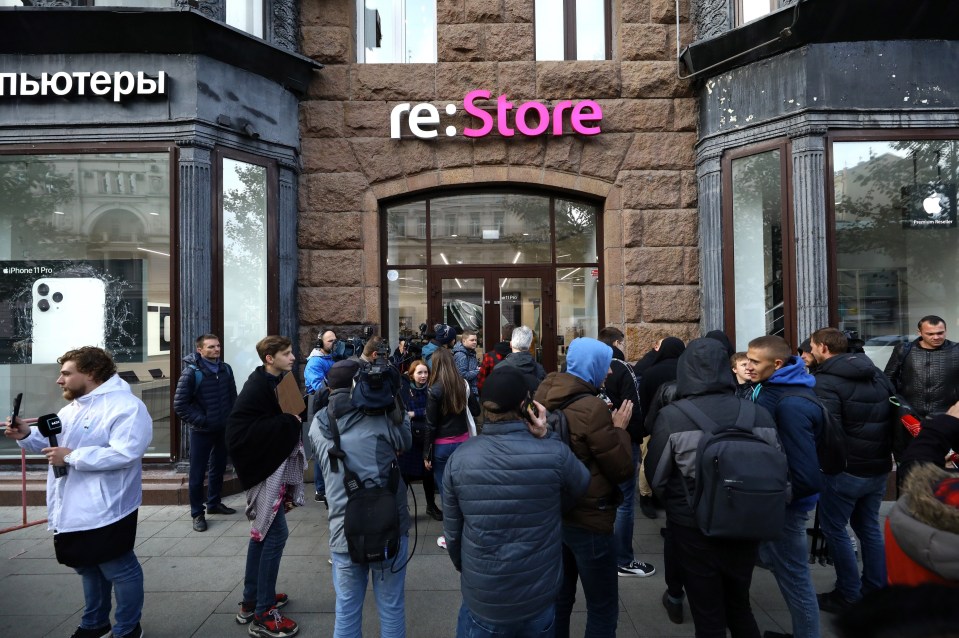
{"x":417,"y":156}
{"x":457,"y":176}
{"x":633,"y":235}
{"x":331,"y":306}
{"x":491,"y":174}
{"x":670,"y":227}
{"x":450,"y":12}
{"x":332,"y":192}
{"x":564,"y":153}
{"x":567,"y":80}
{"x":490,"y":151}
{"x":327,"y":45}
{"x":367,"y":119}
{"x":524,"y":151}
{"x":371,"y":301}
{"x":319,"y":13}
{"x":690,"y":189}
{"x":384,"y":190}
{"x":525,"y":175}
{"x":648,"y":334}
{"x":645,"y":41}
{"x":565,"y":181}
{"x":635,"y":11}
{"x":320,"y":118}
{"x":632,"y":313}
{"x":691,"y":262}
{"x":518,"y":11}
{"x":399,"y":82}
{"x":516,"y":80}
{"x":461,"y":43}
{"x":651,"y":189}
{"x":628,"y":116}
{"x":329,"y":230}
{"x":653,"y":266}
{"x":303,"y":267}
{"x":671,"y":303}
{"x":332,"y":82}
{"x":334,"y":268}
{"x":603,"y":155}
{"x":510,"y":42}
{"x":685,"y":114}
{"x":327,"y":155}
{"x":664,"y":11}
{"x":652,"y":151}
{"x":455,"y":79}
{"x":613,"y":239}
{"x":653,"y":79}
{"x":423,"y":181}
{"x":483,"y":11}
{"x":452,"y":153}
{"x":378,"y":158}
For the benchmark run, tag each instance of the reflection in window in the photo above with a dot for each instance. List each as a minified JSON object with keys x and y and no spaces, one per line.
{"x":577,"y":311}
{"x":897,"y":241}
{"x":758,"y":247}
{"x":406,"y":233}
{"x":406,"y":293}
{"x":575,"y":232}
{"x":589,"y":19}
{"x":748,"y":10}
{"x":390,"y":31}
{"x":244,"y":228}
{"x":246,"y":15}
{"x":101,"y":265}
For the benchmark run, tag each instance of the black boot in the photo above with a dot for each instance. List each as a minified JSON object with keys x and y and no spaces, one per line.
{"x":434,"y":512}
{"x":646,"y":506}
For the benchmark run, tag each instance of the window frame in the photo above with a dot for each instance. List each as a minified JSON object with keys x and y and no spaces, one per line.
{"x":787,"y":221}
{"x":569,"y":31}
{"x":739,"y":10}
{"x":400,"y":47}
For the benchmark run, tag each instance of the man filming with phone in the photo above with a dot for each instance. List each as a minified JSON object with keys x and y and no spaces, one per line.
{"x":94,"y":486}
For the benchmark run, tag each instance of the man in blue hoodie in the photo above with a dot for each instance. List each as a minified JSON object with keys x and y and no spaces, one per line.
{"x":785,"y":388}
{"x":598,"y":438}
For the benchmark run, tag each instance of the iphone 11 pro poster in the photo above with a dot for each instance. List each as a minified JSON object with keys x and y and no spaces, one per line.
{"x":67,"y":313}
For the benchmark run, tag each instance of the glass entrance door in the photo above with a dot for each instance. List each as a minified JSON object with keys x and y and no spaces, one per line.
{"x":493,"y":299}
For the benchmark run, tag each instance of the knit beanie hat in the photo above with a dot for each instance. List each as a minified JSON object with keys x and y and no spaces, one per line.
{"x":341,"y":374}
{"x":444,"y":334}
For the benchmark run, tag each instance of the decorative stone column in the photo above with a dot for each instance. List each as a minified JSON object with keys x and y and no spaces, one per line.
{"x":711,"y":17}
{"x":809,"y":225}
{"x":286,"y":245}
{"x":195,"y":219}
{"x":709,"y":174}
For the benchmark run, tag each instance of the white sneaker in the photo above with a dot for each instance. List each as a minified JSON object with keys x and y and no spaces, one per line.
{"x":441,"y":542}
{"x":636,"y":568}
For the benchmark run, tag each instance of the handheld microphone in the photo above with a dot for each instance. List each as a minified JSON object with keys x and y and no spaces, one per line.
{"x":50,"y":426}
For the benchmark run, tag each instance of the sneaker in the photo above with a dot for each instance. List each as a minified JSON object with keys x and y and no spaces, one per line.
{"x":248,"y":609}
{"x":636,"y":568}
{"x":441,"y":542}
{"x":434,"y":512}
{"x":833,"y":602}
{"x":673,"y":610}
{"x":220,"y":508}
{"x":646,"y":506}
{"x":136,"y":632}
{"x":320,"y":497}
{"x":100,"y":632}
{"x":272,"y":625}
{"x":199,"y":523}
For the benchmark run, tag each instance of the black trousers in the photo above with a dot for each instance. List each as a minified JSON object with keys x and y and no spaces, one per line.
{"x":717,"y":574}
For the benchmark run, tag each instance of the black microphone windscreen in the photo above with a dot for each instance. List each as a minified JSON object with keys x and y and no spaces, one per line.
{"x":49,"y":425}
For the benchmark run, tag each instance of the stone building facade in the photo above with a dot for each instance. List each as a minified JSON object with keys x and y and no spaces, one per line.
{"x":640,"y":171}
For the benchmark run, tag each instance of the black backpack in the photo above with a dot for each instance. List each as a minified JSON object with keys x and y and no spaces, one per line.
{"x":371,"y":522}
{"x":742,"y":483}
{"x":830,"y":439}
{"x":556,"y":419}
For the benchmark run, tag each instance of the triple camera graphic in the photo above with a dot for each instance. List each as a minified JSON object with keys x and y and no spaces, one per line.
{"x":67,"y":313}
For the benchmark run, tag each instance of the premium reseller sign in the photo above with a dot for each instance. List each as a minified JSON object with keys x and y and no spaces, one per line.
{"x":529,"y":119}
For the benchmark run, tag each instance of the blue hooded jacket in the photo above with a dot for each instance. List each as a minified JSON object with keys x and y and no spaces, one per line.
{"x":798,"y":420}
{"x":589,"y":359}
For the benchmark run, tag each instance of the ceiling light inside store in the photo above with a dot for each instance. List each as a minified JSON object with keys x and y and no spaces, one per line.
{"x":491,"y":234}
{"x":58,"y":212}
{"x":458,"y":283}
{"x":155,"y":252}
{"x":443,"y":257}
{"x":568,"y":274}
{"x":516,"y":258}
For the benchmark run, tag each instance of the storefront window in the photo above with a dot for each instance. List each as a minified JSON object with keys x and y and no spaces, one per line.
{"x":246,"y":15}
{"x":245,"y":298}
{"x":897,"y":242}
{"x":759,"y":263}
{"x":575,"y":232}
{"x":396,"y":31}
{"x":572,"y":29}
{"x":85,"y":251}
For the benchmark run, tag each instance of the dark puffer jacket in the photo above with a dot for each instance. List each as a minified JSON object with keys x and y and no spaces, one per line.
{"x":526,"y":364}
{"x":857,"y":393}
{"x":205,"y":407}
{"x":621,"y":385}
{"x":703,"y":377}
{"x":604,"y":449}
{"x":928,"y":379}
{"x":467,"y":364}
{"x":501,"y":517}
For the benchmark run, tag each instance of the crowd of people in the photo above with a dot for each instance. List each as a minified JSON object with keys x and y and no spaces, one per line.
{"x":537,"y":475}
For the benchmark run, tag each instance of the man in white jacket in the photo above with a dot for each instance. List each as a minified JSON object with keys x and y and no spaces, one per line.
{"x":92,"y":509}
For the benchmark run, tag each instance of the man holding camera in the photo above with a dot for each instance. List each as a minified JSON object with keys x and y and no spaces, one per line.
{"x":94,"y":487}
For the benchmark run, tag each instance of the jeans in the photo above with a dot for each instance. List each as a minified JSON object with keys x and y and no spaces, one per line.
{"x":540,"y":626}
{"x":441,"y":454}
{"x":263,"y":564}
{"x":718,"y":573}
{"x":623,"y":527}
{"x":788,"y":560}
{"x":125,"y":576}
{"x":854,"y":500}
{"x":318,"y":485}
{"x":349,"y":581}
{"x":591,"y":557}
{"x":207,"y":455}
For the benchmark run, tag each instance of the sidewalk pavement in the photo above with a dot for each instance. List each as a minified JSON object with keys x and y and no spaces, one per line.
{"x":194,"y":580}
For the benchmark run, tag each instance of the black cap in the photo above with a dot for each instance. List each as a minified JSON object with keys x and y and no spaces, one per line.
{"x":507,"y":387}
{"x":341,"y":374}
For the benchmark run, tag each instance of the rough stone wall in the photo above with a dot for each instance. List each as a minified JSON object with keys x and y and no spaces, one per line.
{"x":642,"y":165}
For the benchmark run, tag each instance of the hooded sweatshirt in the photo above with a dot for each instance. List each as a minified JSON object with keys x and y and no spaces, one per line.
{"x":109,"y":431}
{"x":661,"y":371}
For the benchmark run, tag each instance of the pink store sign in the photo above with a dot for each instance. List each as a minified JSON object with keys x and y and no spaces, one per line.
{"x":529,"y":119}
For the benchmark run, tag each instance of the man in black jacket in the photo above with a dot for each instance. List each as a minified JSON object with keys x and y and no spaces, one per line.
{"x":926,"y":371}
{"x":264,"y":443}
{"x":857,"y":394}
{"x":204,"y":398}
